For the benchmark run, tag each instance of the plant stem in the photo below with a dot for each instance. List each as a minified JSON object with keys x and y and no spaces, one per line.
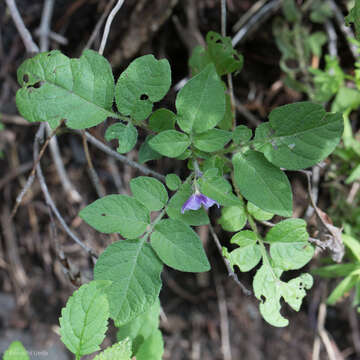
{"x":264,"y":253}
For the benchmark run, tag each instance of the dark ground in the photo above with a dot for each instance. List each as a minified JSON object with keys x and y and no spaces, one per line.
{"x":33,"y":286}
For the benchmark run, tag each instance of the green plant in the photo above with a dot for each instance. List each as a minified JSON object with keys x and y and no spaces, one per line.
{"x":202,"y":132}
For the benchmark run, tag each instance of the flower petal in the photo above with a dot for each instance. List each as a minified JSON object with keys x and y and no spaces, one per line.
{"x":193,"y":203}
{"x":208,"y":202}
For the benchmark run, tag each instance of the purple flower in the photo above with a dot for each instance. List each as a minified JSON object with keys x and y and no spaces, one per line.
{"x":195,"y":201}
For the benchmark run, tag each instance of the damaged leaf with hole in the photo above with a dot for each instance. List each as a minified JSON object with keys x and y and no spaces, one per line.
{"x":55,"y":87}
{"x":145,"y":81}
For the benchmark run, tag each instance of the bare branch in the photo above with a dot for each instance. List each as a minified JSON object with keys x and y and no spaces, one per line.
{"x":48,"y":197}
{"x":99,"y":24}
{"x":108,"y":24}
{"x":23,"y":31}
{"x":100,"y":145}
{"x":93,"y":175}
{"x":31,"y":177}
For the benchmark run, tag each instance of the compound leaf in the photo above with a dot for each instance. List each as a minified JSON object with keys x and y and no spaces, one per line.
{"x":134,"y":270}
{"x":55,"y":87}
{"x":145,"y":81}
{"x":117,"y":214}
{"x":84,"y":319}
{"x":179,"y":247}
{"x":262,"y":183}
{"x":200,"y":103}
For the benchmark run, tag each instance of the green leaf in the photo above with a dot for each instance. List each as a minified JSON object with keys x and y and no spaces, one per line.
{"x":336,"y":270}
{"x":248,"y":255}
{"x":117,"y":214}
{"x":353,"y":244}
{"x":125,"y":134}
{"x":173,"y":182}
{"x":344,"y":286}
{"x":179,"y":247}
{"x":170,"y":143}
{"x":233,"y":218}
{"x":199,"y":60}
{"x":354,"y":175}
{"x":134,"y":270}
{"x":150,"y":192}
{"x":217,"y":188}
{"x":346,"y":98}
{"x":16,"y":351}
{"x":354,"y":17}
{"x":161,"y":120}
{"x":262,"y":183}
{"x":152,"y":348}
{"x":291,"y":12}
{"x":190,"y":217}
{"x":145,"y":81}
{"x":226,"y":122}
{"x":257,"y":213}
{"x":299,"y":135}
{"x":200,"y":103}
{"x":217,"y":162}
{"x":242,"y":134}
{"x":185,"y":155}
{"x":269,"y":289}
{"x":289,"y":246}
{"x":140,"y":328}
{"x":146,"y":153}
{"x":222,"y":54}
{"x":84,"y":319}
{"x":212,"y":140}
{"x":316,"y":42}
{"x":55,"y":87}
{"x":119,"y":351}
{"x":320,"y":12}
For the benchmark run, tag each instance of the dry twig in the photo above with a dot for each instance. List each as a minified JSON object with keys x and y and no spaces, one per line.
{"x":31,"y":177}
{"x":109,"y":20}
{"x":48,"y":197}
{"x":92,"y":173}
{"x":23,"y":31}
{"x":100,"y":145}
{"x":99,"y":24}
